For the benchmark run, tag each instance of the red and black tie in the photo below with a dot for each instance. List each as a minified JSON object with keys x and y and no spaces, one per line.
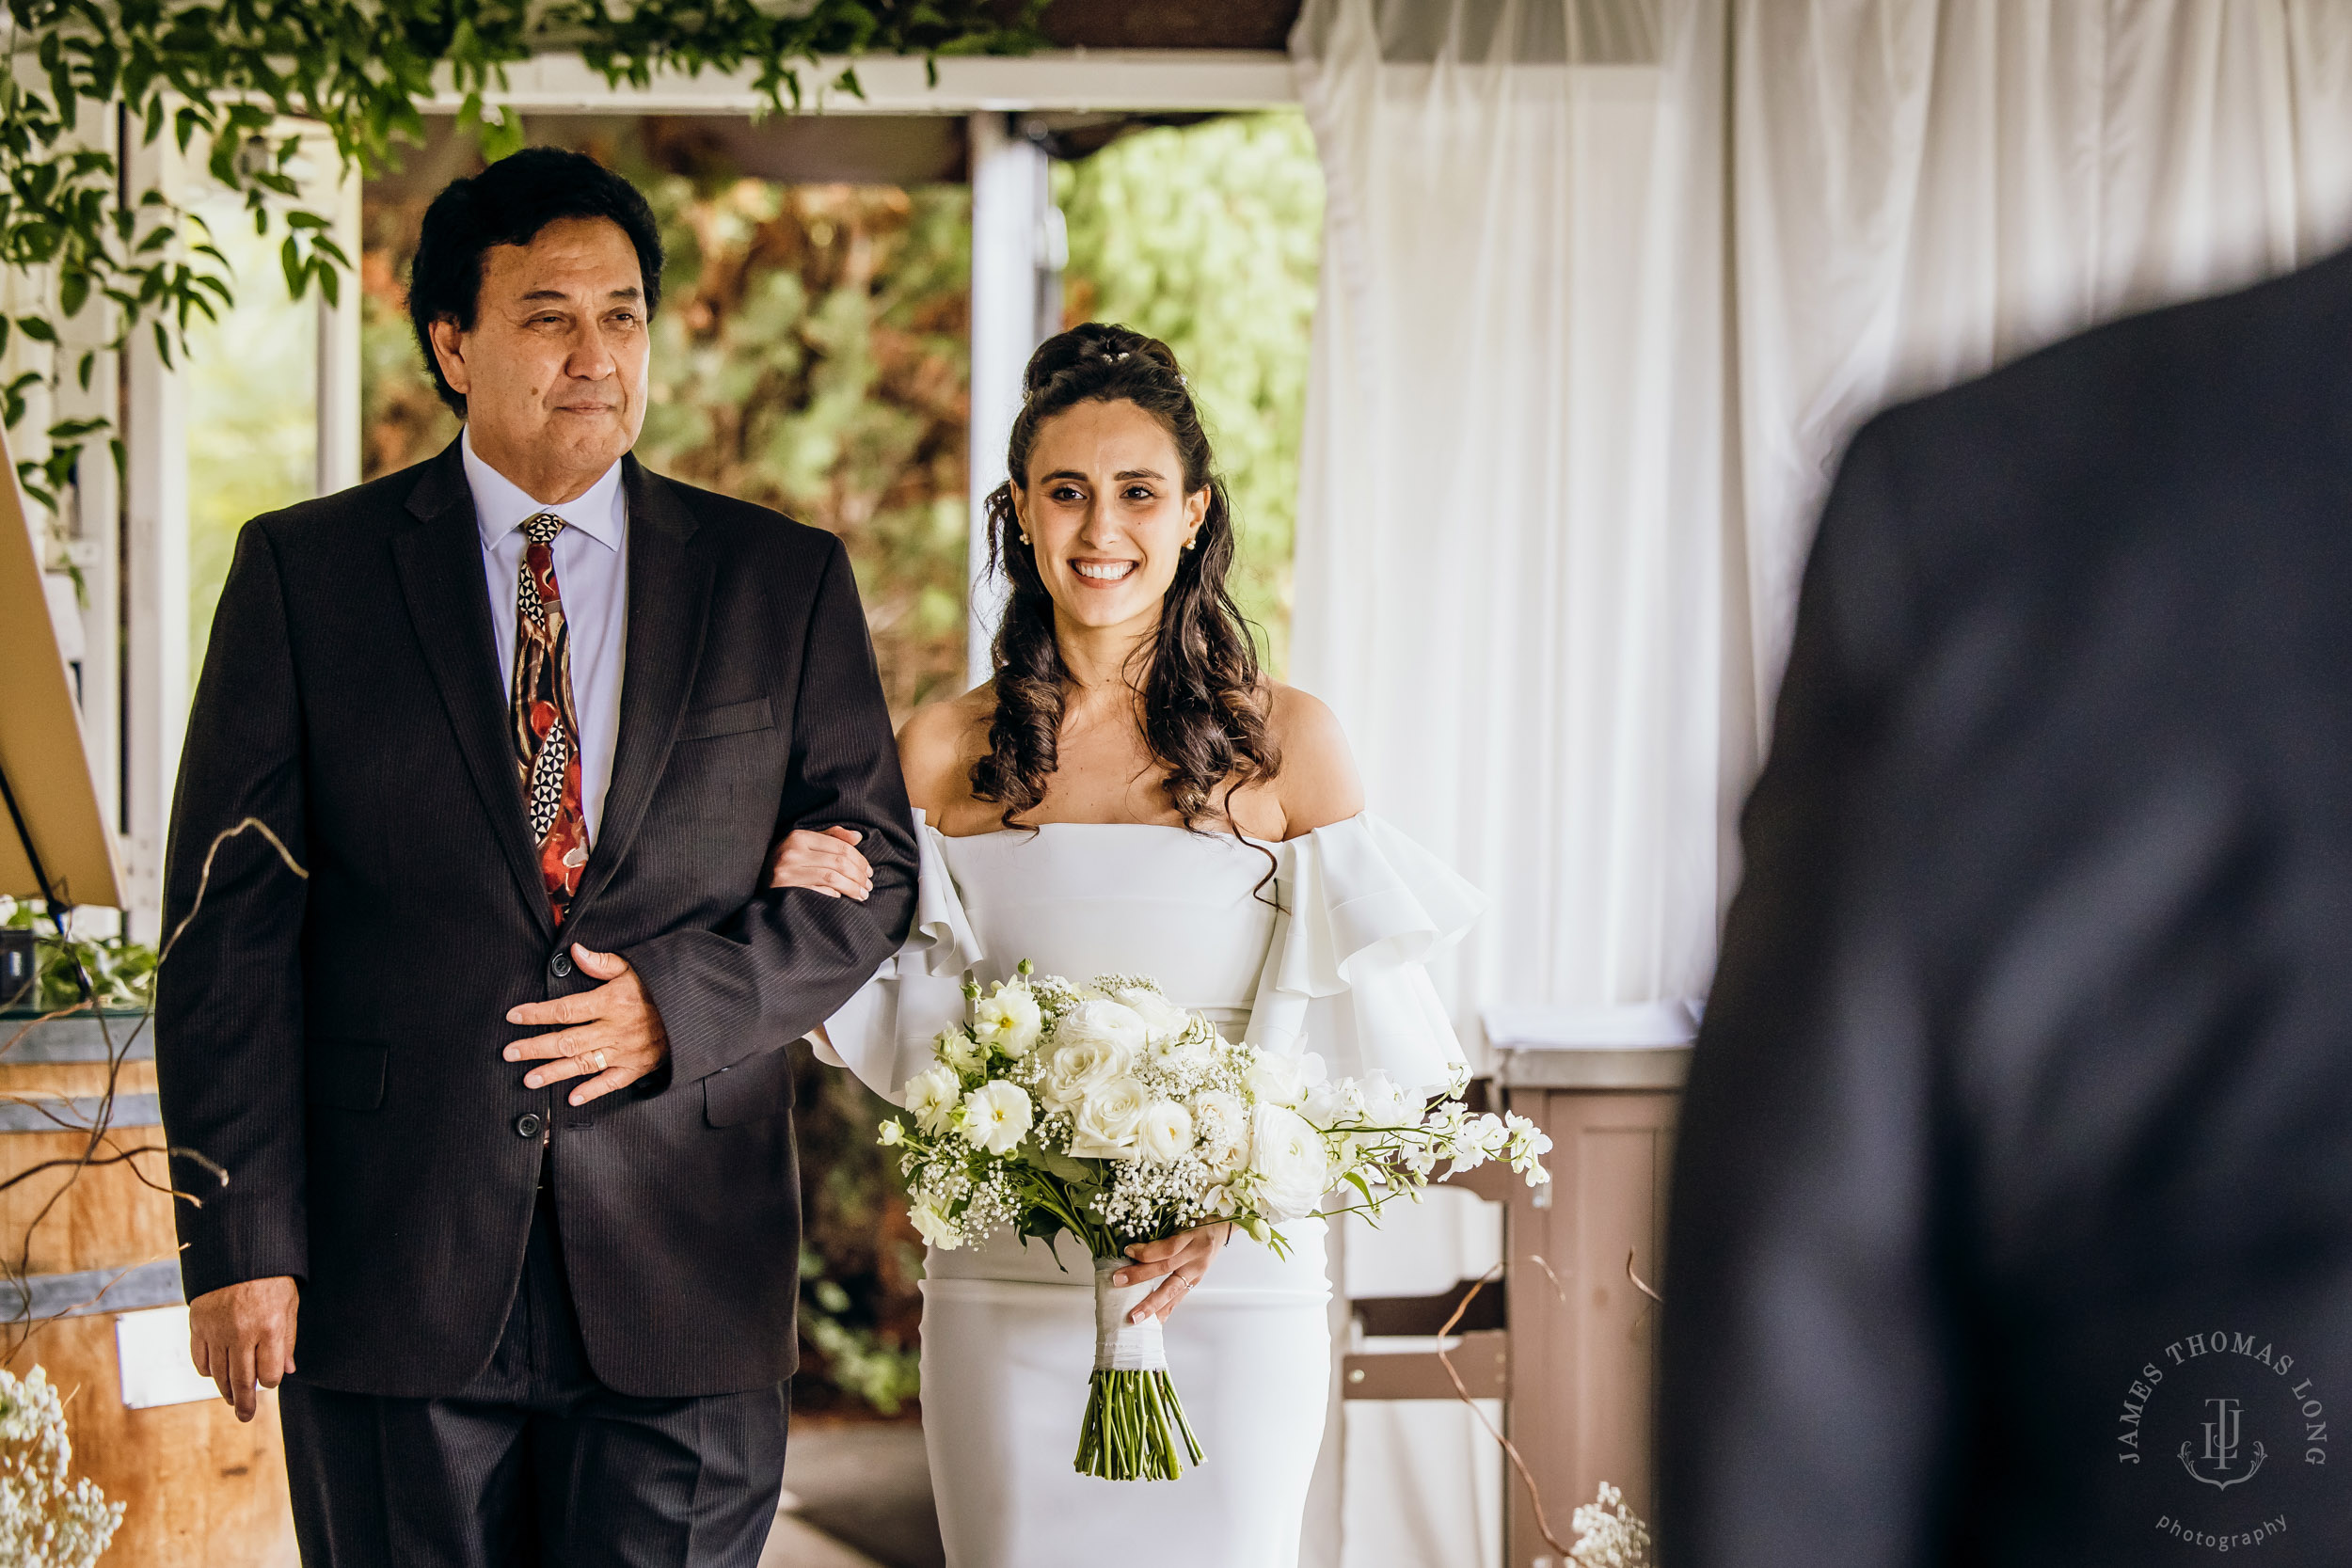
{"x":546,"y":721}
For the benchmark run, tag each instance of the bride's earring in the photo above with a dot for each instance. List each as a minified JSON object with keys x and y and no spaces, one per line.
{"x":1190,"y":543}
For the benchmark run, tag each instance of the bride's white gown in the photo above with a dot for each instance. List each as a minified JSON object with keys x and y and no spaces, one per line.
{"x":1007,"y":1334}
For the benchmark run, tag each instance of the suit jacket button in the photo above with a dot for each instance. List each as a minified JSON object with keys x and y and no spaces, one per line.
{"x":528,"y":1125}
{"x":561,"y":966}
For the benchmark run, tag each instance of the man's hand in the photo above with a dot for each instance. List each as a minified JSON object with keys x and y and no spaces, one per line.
{"x":616,"y":1035}
{"x":242,"y":1336}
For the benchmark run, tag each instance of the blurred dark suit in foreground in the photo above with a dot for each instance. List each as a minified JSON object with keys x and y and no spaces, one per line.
{"x":2013,"y":1215}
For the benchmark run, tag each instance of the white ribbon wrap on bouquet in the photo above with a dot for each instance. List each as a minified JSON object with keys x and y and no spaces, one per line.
{"x":1120,"y":1346}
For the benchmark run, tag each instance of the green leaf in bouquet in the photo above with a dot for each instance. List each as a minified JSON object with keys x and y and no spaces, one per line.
{"x":1053,"y":1162}
{"x":1038,"y":1226}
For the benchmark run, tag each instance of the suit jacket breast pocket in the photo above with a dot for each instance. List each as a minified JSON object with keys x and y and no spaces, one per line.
{"x":749,"y":1091}
{"x":347,"y":1074}
{"x":727,"y":719}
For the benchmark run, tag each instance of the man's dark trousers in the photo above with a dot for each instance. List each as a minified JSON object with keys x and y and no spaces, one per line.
{"x":508,"y":1472}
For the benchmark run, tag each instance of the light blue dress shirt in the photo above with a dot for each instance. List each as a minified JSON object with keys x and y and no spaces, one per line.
{"x":591,"y":574}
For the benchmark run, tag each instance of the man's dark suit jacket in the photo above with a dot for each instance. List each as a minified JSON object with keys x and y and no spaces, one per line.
{"x":336,"y":1044}
{"x":2018,"y":1145}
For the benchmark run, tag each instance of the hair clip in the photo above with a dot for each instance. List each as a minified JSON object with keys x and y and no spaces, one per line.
{"x":1120,"y":355}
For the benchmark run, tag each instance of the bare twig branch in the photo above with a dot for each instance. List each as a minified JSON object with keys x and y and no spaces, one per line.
{"x":1534,"y":1492}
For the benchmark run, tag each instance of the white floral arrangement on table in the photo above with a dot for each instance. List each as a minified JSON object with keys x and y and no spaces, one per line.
{"x":1106,"y":1111}
{"x":46,"y":1519}
{"x":1609,"y":1534}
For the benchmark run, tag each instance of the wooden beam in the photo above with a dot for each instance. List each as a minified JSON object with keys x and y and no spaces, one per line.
{"x":1483,"y":1359}
{"x":1071,"y":79}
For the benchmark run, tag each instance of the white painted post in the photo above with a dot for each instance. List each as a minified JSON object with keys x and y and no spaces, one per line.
{"x":1016,"y":305}
{"x":93,"y":533}
{"x":155,"y":587}
{"x":338,"y":344}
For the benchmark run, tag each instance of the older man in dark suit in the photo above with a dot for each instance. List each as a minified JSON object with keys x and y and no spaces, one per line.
{"x":2013,"y":1221}
{"x":501,"y":1088}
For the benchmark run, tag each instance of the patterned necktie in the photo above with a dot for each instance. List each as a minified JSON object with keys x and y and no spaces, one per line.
{"x":545,"y":723}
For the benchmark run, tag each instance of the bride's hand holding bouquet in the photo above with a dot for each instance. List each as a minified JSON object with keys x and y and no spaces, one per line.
{"x":1106,"y":1111}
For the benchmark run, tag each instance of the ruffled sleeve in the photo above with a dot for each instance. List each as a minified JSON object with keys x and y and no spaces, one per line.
{"x":884,"y":1033}
{"x":1364,"y":910}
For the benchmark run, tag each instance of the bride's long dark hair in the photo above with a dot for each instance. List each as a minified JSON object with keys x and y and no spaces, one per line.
{"x":1197,"y":676}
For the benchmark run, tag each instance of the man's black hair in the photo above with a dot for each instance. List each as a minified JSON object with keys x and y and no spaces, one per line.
{"x":509,"y":203}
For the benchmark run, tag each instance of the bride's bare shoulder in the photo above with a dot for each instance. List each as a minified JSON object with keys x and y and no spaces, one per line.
{"x":1318,"y":785}
{"x":938,"y":744}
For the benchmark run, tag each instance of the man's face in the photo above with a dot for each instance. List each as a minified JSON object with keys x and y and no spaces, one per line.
{"x":553,"y":371}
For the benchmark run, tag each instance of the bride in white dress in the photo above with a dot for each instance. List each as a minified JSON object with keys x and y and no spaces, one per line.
{"x":1130,"y":793}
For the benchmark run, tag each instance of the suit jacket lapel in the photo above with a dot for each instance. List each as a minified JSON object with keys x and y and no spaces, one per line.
{"x":669,"y":607}
{"x":440,"y":572}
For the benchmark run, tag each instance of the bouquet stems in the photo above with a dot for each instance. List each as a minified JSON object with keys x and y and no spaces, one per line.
{"x":1133,"y":1418}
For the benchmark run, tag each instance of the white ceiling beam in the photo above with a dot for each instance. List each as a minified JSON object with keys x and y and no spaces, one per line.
{"x":1067,"y":80}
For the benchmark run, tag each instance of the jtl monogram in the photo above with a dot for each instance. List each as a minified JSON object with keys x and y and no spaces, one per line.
{"x":2216,"y":1465}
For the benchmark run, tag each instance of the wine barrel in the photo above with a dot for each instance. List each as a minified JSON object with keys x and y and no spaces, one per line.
{"x":199,"y":1488}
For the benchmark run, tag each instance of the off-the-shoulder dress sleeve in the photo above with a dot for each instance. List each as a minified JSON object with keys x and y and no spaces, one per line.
{"x":1364,"y":909}
{"x":884,"y":1033}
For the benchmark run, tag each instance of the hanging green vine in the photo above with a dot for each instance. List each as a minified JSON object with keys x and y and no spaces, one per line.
{"x":220,"y":80}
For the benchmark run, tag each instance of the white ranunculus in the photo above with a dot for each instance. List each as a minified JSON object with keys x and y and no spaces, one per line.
{"x":1009,"y":1020}
{"x":1163,"y":1021}
{"x":1223,"y":1122}
{"x":956,"y":1047}
{"x":997,"y":1116}
{"x":1187,"y":1054}
{"x":1286,"y":1153}
{"x":1077,"y":1068}
{"x":1274,"y":1080}
{"x":1166,"y":1132}
{"x":1107,"y":1120}
{"x":932,"y":1095}
{"x":937,"y":1228}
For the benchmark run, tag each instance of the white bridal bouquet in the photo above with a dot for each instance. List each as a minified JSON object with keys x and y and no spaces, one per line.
{"x":1109,"y":1112}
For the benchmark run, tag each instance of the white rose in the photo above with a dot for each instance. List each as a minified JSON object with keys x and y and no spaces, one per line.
{"x":1101,"y":1019}
{"x":1274,"y":1080}
{"x":1009,"y":1020}
{"x":1162,"y":1019}
{"x":955,"y":1048}
{"x":932,"y":1095}
{"x":997,"y":1116}
{"x":1166,"y":1132}
{"x":1107,"y":1120}
{"x":1077,"y":1068}
{"x":1286,"y":1152}
{"x":937,"y":1227}
{"x":892,"y":1132}
{"x":1223,"y":1122}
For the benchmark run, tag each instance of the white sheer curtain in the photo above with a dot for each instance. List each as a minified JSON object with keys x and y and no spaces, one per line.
{"x":1607,"y":285}
{"x":1925,"y":191}
{"x":1515,"y":629}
